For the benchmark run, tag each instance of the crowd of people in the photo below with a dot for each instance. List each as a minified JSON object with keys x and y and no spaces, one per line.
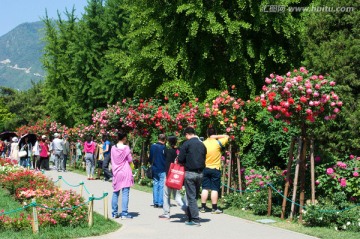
{"x":201,"y":160}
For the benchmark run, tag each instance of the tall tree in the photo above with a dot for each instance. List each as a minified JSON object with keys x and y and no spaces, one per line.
{"x":208,"y":44}
{"x":332,"y":45}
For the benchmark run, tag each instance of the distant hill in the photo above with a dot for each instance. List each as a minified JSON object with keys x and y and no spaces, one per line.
{"x":20,"y":53}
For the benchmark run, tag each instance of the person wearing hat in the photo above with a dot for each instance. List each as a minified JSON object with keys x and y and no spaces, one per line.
{"x":57,"y":148}
{"x":14,"y":150}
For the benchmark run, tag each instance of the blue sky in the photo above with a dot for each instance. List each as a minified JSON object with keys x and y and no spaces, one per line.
{"x":15,"y":12}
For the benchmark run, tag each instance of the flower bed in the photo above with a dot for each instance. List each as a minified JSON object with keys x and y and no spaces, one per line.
{"x":26,"y":185}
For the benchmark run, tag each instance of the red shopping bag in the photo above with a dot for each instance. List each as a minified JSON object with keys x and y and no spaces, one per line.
{"x":175,"y":177}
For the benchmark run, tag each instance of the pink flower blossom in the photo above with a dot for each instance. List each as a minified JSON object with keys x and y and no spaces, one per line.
{"x":317,"y":182}
{"x":352,"y":156}
{"x":341,"y":165}
{"x":268,"y":80}
{"x":332,"y":83}
{"x":329,"y":171}
{"x":355,"y":174}
{"x":343,"y":182}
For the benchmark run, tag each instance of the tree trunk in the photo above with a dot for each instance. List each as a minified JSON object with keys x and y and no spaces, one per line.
{"x":288,"y":174}
{"x":312,"y":162}
{"x":229,"y":171}
{"x":239,"y":172}
{"x":302,"y":178}
{"x":296,"y":179}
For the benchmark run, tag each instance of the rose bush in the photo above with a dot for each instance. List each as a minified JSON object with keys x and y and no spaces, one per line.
{"x":341,"y":176}
{"x":26,"y":185}
{"x":301,"y":98}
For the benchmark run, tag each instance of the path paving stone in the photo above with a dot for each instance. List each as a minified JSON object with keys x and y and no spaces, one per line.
{"x":146,"y":223}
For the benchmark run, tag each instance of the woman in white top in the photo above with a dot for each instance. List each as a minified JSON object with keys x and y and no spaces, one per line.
{"x":14,"y":150}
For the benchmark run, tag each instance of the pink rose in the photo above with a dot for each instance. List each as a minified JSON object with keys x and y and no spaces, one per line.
{"x":352,"y":156}
{"x":339,"y":103}
{"x":332,"y":104}
{"x":288,"y":74}
{"x":268,"y":80}
{"x":332,"y":83}
{"x":317,"y":182}
{"x":272,"y":76}
{"x":316,"y":94}
{"x":317,"y":86}
{"x":311,"y":103}
{"x":355,"y":174}
{"x":329,"y":171}
{"x":336,"y":110}
{"x":343,"y":182}
{"x":309,"y":91}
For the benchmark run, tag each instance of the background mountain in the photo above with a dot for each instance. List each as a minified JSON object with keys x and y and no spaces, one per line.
{"x":20,"y":53}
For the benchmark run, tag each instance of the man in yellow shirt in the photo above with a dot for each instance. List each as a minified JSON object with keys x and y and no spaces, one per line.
{"x":212,"y":174}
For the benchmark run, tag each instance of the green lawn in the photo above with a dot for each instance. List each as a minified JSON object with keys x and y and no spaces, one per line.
{"x":101,"y":226}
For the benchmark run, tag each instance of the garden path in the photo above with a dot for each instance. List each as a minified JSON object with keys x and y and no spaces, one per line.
{"x":146,"y":223}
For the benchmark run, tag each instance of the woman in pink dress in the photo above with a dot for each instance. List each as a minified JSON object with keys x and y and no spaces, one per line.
{"x":122,"y":176}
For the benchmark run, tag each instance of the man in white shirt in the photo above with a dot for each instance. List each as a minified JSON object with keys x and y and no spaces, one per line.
{"x":57,"y":148}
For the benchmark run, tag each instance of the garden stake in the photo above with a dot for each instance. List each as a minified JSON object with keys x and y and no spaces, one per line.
{"x":288,"y":174}
{"x":35,"y":222}
{"x":302,"y":179}
{"x":312,"y":172}
{"x":229,"y":171}
{"x":142,"y":161}
{"x":223,"y":178}
{"x":59,"y":182}
{"x":239,"y":172}
{"x":91,"y":212}
{"x":269,"y":201}
{"x":81,"y":188}
{"x":106,"y":215}
{"x":296,"y":179}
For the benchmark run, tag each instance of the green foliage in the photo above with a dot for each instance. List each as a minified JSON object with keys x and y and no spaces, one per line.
{"x":21,"y":107}
{"x":176,"y":89}
{"x":209,"y":44}
{"x":322,"y":214}
{"x":332,"y":45}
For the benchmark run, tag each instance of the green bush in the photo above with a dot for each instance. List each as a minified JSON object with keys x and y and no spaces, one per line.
{"x":333,"y":213}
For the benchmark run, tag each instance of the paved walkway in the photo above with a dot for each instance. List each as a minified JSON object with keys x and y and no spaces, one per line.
{"x":146,"y":223}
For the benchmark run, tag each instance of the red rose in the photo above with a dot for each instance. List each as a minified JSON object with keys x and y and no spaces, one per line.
{"x":303,"y":99}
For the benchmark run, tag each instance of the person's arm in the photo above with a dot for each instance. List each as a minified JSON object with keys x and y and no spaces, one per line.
{"x":129,"y":157}
{"x":182,"y":155}
{"x":106,"y":148}
{"x":221,"y":136}
{"x":151,"y":154}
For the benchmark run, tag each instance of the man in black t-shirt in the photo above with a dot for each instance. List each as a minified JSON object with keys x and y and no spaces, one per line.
{"x":192,"y":156}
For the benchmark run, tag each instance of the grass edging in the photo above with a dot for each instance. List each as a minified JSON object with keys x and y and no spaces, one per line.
{"x":320,"y":232}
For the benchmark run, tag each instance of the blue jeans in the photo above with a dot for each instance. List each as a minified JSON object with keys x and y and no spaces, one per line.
{"x":124,"y":202}
{"x":158,"y":188}
{"x":25,"y":162}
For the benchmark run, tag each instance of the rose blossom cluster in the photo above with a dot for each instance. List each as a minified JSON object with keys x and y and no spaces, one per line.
{"x":340,"y":170}
{"x":300,"y":96}
{"x":228,"y":111}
